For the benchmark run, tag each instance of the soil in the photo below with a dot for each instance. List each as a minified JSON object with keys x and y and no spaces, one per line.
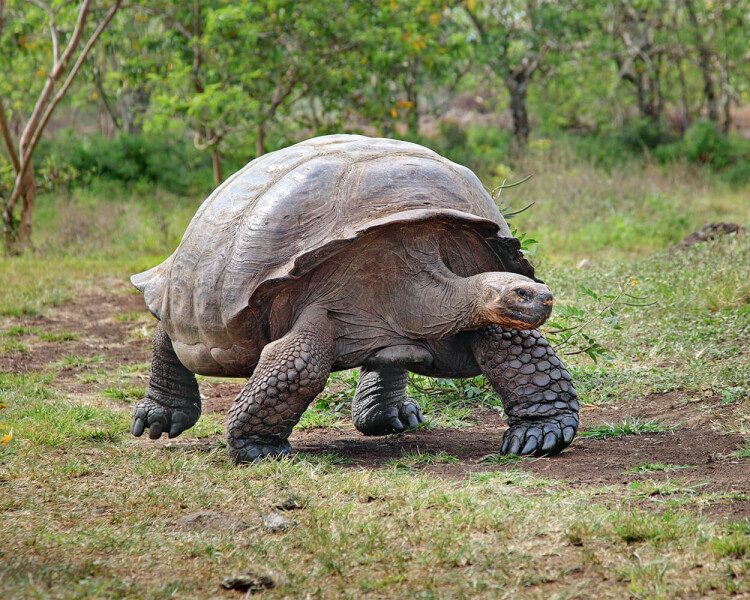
{"x":697,"y":438}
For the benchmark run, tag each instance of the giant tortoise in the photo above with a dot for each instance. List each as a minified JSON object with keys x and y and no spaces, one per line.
{"x":346,"y":251}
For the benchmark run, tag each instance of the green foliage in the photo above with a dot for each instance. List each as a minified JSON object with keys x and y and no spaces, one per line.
{"x":704,"y":144}
{"x":167,"y":161}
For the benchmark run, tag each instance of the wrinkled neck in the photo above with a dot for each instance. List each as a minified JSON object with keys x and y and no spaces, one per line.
{"x":449,"y":303}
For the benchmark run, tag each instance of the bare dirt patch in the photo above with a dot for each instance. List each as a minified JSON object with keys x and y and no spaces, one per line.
{"x":697,"y":440}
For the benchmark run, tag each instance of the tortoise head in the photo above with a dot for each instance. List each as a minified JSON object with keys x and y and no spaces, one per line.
{"x":513,"y":301}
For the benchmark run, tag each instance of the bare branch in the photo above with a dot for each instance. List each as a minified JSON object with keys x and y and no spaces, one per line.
{"x":54,"y":34}
{"x":7,"y":136}
{"x":36,"y":124}
{"x":74,"y":70}
{"x":212,"y":141}
{"x":74,"y":40}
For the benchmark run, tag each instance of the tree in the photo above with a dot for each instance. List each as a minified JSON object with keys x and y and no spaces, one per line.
{"x":410,"y":53}
{"x":26,"y":64}
{"x":239,"y":66}
{"x":514,"y":39}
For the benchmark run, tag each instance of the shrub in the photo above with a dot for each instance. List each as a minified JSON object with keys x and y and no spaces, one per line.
{"x":704,"y":144}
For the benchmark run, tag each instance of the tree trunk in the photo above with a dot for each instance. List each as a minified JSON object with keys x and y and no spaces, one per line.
{"x":134,"y":103}
{"x":260,"y":144}
{"x":704,"y":62}
{"x":684,"y":97}
{"x":412,"y":112}
{"x":517,"y":88}
{"x":18,"y":234}
{"x":216,"y":162}
{"x":23,"y":241}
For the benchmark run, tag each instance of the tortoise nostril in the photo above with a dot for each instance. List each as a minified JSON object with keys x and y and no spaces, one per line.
{"x":547,"y":299}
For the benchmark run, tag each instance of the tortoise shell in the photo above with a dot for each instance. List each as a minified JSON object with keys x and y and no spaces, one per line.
{"x":288,"y":211}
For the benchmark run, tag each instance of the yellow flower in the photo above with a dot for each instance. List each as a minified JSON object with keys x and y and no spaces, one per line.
{"x":7,"y":438}
{"x":394,"y":113}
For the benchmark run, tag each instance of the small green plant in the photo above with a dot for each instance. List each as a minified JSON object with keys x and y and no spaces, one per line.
{"x":657,"y":466}
{"x":651,"y":487}
{"x":133,"y":315}
{"x":735,"y":545}
{"x":324,"y":459}
{"x":20,"y":331}
{"x":59,"y":336}
{"x":124,"y":394}
{"x":578,"y":532}
{"x":638,"y":526}
{"x":629,"y":426}
{"x":505,"y":459}
{"x":415,"y":459}
{"x":12,"y":346}
{"x":337,"y":397}
{"x":569,"y":323}
{"x":73,"y":360}
{"x":314,"y":418}
{"x":744,"y":452}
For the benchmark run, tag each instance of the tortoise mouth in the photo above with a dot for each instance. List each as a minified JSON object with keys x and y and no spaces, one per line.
{"x":529,"y":317}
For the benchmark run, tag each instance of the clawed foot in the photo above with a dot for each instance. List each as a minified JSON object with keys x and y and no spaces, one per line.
{"x":393,"y":418}
{"x":254,"y":448}
{"x":540,"y":437}
{"x":148,"y":414}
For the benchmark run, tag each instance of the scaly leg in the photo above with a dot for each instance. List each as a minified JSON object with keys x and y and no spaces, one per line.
{"x":535,"y":387}
{"x":381,"y":405}
{"x":172,"y":402}
{"x":290,"y":373}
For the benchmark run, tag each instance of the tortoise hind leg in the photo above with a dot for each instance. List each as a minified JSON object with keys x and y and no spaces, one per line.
{"x":380,"y":405}
{"x":173,"y":402}
{"x":290,"y":373}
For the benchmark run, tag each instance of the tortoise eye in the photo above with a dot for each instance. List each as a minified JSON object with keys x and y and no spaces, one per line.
{"x":522,"y":293}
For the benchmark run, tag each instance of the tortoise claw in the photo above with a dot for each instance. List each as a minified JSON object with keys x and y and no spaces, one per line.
{"x":148,"y":414}
{"x":539,"y":437}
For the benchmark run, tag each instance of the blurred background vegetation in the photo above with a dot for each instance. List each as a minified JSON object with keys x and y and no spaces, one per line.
{"x":158,"y":101}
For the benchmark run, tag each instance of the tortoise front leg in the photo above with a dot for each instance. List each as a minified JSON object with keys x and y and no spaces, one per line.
{"x":536,"y":389}
{"x":290,"y":373}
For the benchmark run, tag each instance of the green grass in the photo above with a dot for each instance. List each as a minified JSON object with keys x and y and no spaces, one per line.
{"x":412,"y":460}
{"x":88,"y":511}
{"x":658,"y":488}
{"x":73,"y":360}
{"x":59,"y":336}
{"x":657,"y":529}
{"x":656,"y":467}
{"x":629,"y":426}
{"x":123,"y":393}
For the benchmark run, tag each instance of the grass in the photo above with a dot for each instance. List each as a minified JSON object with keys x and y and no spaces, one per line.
{"x":87,"y":510}
{"x":416,"y":459}
{"x":59,"y":336}
{"x":656,"y":467}
{"x":629,"y":426}
{"x":124,"y":393}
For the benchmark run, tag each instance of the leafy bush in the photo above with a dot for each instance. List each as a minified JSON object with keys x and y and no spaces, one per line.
{"x":644,"y":133}
{"x":165,"y":161}
{"x":704,"y":144}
